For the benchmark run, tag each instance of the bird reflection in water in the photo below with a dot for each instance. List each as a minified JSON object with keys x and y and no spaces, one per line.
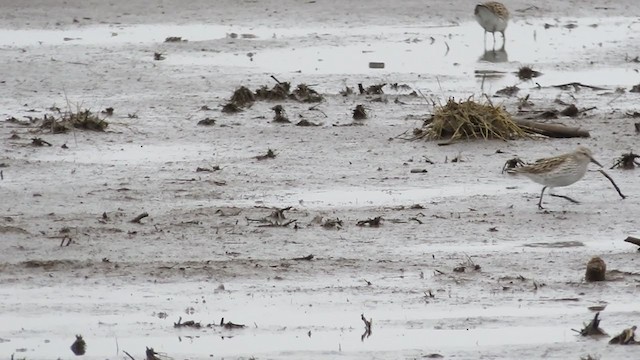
{"x":495,"y":56}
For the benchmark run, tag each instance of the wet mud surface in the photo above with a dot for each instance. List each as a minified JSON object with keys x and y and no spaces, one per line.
{"x":462,"y":265}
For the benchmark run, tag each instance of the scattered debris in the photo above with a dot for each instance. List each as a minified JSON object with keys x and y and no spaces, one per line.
{"x":596,"y":269}
{"x":637,"y":127}
{"x":280,"y":91}
{"x":432,"y":356}
{"x":108,"y":111}
{"x":188,"y":323}
{"x":359,"y":113}
{"x":592,"y":328}
{"x":626,"y":337}
{"x":211,"y":169}
{"x":332,"y":224}
{"x":590,"y":357}
{"x":627,"y":161}
{"x":467,"y":264}
{"x":303,"y":93}
{"x":635,"y":89}
{"x":524,"y":102}
{"x":230,"y":325}
{"x":269,"y":155}
{"x":512,"y":164}
{"x":39,"y":142}
{"x":576,"y":86}
{"x":207,"y":122}
{"x":158,"y":56}
{"x":305,"y":122}
{"x":174,"y":39}
{"x":276,"y":218}
{"x":527,"y":73}
{"x":509,"y":91}
{"x":367,"y":327}
{"x":68,"y":238}
{"x":570,"y":111}
{"x":470,"y":120}
{"x":376,"y":221}
{"x":79,"y":346}
{"x":139,"y":217}
{"x":230,"y":108}
{"x":280,"y":116}
{"x":371,"y":90}
{"x":151,"y":354}
{"x":346,"y":92}
{"x":304,"y":258}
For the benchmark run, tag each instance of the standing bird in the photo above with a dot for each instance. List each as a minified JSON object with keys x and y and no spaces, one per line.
{"x":562,"y":170}
{"x":492,"y":16}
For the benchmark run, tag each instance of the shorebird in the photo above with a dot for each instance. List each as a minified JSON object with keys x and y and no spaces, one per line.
{"x":492,"y":16}
{"x":557,"y":171}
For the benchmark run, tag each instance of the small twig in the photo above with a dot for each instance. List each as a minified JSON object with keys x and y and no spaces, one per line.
{"x":274,"y":78}
{"x":612,"y":182}
{"x":576,"y":85}
{"x":139,"y":217}
{"x":129,"y":355}
{"x":307,"y":258}
{"x":367,"y":327}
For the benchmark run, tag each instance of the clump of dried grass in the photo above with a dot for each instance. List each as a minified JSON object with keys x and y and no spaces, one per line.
{"x":469,"y":119}
{"x":82,"y":119}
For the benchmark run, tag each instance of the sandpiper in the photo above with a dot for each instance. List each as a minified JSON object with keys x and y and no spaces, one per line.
{"x":557,"y":171}
{"x":492,"y":16}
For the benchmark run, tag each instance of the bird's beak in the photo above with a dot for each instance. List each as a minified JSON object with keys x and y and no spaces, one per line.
{"x":595,"y":161}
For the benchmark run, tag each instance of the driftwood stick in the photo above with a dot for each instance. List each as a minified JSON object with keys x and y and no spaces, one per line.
{"x":139,"y":217}
{"x":612,"y":182}
{"x":633,"y":240}
{"x":551,"y":130}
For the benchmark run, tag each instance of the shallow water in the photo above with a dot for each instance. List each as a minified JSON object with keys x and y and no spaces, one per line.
{"x":275,"y":323}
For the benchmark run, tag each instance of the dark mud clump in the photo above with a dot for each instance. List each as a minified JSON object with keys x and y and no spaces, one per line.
{"x":371,"y":90}
{"x":596,"y":269}
{"x":231,"y":108}
{"x":243,"y":97}
{"x":280,"y":115}
{"x":527,"y":73}
{"x":207,"y":122}
{"x":269,"y":155}
{"x":303,"y":93}
{"x":359,"y":113}
{"x":570,"y":111}
{"x":279,"y":91}
{"x":79,"y":346}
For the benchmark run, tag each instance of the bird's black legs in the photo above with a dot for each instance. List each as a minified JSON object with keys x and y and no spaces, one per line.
{"x":567,"y":198}
{"x":540,"y":202}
